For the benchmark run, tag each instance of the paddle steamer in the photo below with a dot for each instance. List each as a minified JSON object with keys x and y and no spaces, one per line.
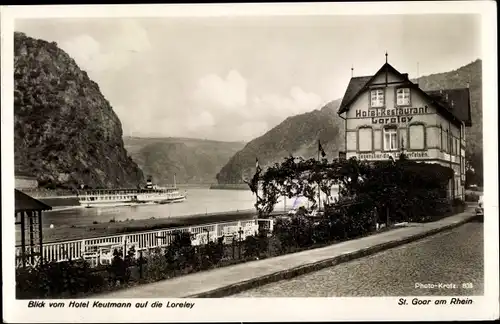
{"x":151,"y":194}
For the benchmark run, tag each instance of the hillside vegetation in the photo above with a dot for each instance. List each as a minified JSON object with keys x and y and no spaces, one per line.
{"x":193,"y":161}
{"x":65,"y":132}
{"x":298,"y":135}
{"x":470,"y":73}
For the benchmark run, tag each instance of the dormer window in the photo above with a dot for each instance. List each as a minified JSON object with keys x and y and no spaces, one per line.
{"x":377,"y":98}
{"x":403,"y":97}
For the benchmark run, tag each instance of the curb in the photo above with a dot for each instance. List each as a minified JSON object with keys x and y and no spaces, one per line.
{"x":311,"y":267}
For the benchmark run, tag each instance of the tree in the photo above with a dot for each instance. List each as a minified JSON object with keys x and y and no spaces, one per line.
{"x":397,"y":187}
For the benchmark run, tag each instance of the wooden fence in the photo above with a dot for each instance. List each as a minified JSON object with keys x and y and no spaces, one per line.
{"x":100,"y":250}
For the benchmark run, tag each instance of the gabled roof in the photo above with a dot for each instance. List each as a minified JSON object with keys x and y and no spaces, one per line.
{"x":355,"y":86}
{"x":456,"y":100}
{"x":359,"y":87}
{"x":461,"y":100}
{"x":23,"y":202}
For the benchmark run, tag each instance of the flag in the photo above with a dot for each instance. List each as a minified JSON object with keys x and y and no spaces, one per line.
{"x":254,"y":183}
{"x":320,"y":149}
{"x":257,"y":166}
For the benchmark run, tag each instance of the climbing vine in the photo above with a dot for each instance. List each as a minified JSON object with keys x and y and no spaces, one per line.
{"x":391,"y":184}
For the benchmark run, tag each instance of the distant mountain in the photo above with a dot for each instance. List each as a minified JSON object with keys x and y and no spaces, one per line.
{"x":297,"y":135}
{"x":472,"y":74}
{"x":65,"y":131}
{"x":193,"y":161}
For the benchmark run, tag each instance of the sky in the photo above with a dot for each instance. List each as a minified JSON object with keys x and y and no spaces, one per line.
{"x":233,"y":79}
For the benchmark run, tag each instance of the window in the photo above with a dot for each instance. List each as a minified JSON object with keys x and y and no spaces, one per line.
{"x":450,"y":143}
{"x":417,"y":137}
{"x":365,"y":139}
{"x":377,"y":98}
{"x":441,"y":144}
{"x":390,"y":139}
{"x":403,"y":97}
{"x":447,"y":143}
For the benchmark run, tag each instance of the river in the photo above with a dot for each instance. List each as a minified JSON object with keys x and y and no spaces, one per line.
{"x":199,"y":201}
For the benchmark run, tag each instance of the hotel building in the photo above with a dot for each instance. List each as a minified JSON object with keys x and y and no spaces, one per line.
{"x":386,"y":114}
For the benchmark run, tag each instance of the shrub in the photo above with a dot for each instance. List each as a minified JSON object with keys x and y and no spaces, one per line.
{"x":57,"y":280}
{"x":180,"y":254}
{"x":119,"y":270}
{"x":321,"y":231}
{"x":472,"y":197}
{"x":251,"y":247}
{"x":155,"y":266}
{"x":211,"y":254}
{"x":275,"y":247}
{"x":296,"y":231}
{"x":457,"y":202}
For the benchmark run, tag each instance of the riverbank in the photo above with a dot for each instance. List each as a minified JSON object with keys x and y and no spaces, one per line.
{"x":234,"y":186}
{"x":78,"y":232}
{"x":56,"y":202}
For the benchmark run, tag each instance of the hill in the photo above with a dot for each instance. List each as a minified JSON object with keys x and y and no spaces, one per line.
{"x":469,"y":74}
{"x":297,"y":135}
{"x":193,"y":161}
{"x":65,"y":132}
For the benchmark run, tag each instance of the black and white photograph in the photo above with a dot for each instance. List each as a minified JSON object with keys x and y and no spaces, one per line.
{"x":211,"y":162}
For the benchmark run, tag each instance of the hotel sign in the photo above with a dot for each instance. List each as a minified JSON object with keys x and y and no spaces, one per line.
{"x":394,"y":155}
{"x":391,"y":116}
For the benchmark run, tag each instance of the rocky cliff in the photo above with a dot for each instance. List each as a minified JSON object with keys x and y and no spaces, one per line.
{"x":65,"y":131}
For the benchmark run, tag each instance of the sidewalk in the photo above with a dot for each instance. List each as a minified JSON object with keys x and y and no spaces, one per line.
{"x":232,"y":279}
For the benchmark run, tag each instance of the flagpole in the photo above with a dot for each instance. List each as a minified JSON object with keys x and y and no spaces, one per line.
{"x":257,"y":187}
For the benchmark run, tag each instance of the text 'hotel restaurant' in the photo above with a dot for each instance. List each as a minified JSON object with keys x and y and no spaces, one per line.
{"x":386,"y":114}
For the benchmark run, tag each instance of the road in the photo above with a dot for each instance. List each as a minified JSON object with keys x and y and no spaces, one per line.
{"x":452,"y":257}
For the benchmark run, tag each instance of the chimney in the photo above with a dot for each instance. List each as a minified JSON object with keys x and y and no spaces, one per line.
{"x":405,"y":75}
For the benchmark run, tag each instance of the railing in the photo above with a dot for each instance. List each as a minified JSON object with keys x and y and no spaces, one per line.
{"x":96,"y":248}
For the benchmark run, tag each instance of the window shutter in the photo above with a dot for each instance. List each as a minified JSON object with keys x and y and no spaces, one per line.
{"x":417,"y":137}
{"x":365,"y":139}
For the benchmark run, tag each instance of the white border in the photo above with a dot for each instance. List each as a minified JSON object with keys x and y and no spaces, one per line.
{"x":264,"y":309}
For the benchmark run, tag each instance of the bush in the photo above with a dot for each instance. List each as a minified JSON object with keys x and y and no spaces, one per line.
{"x":155,"y":266}
{"x":57,"y":280}
{"x":296,"y":231}
{"x":471,"y":197}
{"x":350,"y":220}
{"x":119,"y":270}
{"x":211,"y":254}
{"x":251,"y":246}
{"x":275,"y":247}
{"x":180,"y":254}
